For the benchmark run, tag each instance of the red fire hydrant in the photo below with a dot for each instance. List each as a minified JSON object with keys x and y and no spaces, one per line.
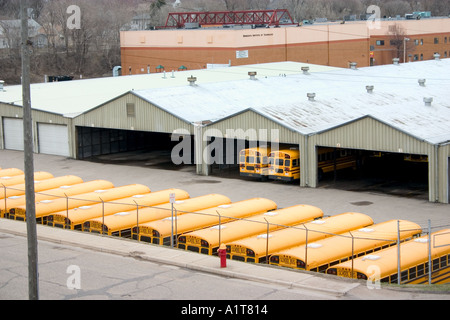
{"x":223,"y":255}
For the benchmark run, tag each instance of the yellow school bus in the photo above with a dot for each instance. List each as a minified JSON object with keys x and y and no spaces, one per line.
{"x":10,"y":172}
{"x":59,"y":192}
{"x":414,"y":256}
{"x":121,"y":224}
{"x":254,"y":162}
{"x":415,"y":158}
{"x":207,"y":241}
{"x":319,"y":255}
{"x":40,"y":186}
{"x":74,"y":218}
{"x":160,"y":231}
{"x":284,"y":165}
{"x":9,"y":181}
{"x":47,"y":207}
{"x":330,"y":159}
{"x":258,"y":247}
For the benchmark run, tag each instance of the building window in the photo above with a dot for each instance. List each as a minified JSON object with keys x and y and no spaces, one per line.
{"x":436,"y":40}
{"x":421,"y":42}
{"x":445,"y":40}
{"x":396,"y":42}
{"x":416,"y":57}
{"x":131,"y":110}
{"x":380,"y":42}
{"x":416,"y":42}
{"x":421,"y":57}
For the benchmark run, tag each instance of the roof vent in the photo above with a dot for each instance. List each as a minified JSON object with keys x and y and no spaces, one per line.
{"x":396,"y":61}
{"x":192,"y":80}
{"x":353,"y":65}
{"x":1,"y":85}
{"x":422,"y":82}
{"x":437,"y":56}
{"x":252,"y":75}
{"x":311,"y":96}
{"x":369,"y":89}
{"x":305,"y":70}
{"x":428,"y":101}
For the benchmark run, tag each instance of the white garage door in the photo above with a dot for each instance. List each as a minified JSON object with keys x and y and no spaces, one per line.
{"x":53,"y":139}
{"x":13,"y":134}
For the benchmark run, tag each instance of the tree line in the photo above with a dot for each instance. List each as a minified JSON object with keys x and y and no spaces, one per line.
{"x":93,"y":49}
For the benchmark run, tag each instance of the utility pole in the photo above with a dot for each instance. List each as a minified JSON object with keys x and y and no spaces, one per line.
{"x":33,"y":275}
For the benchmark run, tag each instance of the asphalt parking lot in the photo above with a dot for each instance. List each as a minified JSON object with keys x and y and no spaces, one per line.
{"x":381,"y":207}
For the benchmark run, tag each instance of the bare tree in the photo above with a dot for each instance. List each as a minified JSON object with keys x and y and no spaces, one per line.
{"x":396,"y":7}
{"x":400,"y":42}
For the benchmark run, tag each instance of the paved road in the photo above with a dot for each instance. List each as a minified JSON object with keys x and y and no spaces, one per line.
{"x":81,"y":266}
{"x":106,"y":276}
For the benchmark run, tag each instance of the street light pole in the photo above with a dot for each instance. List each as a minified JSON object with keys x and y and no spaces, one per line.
{"x":33,"y":275}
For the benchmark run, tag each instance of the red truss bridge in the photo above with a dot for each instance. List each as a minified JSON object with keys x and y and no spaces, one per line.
{"x":253,"y":17}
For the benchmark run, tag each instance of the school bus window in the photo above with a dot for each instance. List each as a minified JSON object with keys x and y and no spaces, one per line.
{"x":435,"y":264}
{"x":323,"y":268}
{"x":393,"y":278}
{"x":444,"y":261}
{"x":250,"y":160}
{"x":405,"y":275}
{"x":278,"y":162}
{"x":242,"y":159}
{"x":287,"y":163}
{"x":295,"y":163}
{"x":412,"y":272}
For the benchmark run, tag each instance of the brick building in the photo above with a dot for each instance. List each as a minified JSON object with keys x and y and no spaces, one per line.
{"x":334,"y":44}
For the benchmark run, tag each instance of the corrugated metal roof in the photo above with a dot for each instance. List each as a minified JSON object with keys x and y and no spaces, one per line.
{"x":72,"y":98}
{"x":279,"y":93}
{"x":341,"y":97}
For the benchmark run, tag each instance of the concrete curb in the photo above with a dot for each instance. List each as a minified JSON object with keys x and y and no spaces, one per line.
{"x":182,"y":259}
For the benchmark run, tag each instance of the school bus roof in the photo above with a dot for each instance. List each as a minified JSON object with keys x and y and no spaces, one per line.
{"x":41,"y":185}
{"x":129,"y":219}
{"x":340,"y":246}
{"x":41,"y":182}
{"x":10,"y":181}
{"x":86,"y":212}
{"x":58,"y":192}
{"x":413,"y":252}
{"x":256,"y":224}
{"x":291,"y":152}
{"x":296,"y":235}
{"x":46,"y":207}
{"x":209,"y":217}
{"x":11,"y":172}
{"x":263,"y":150}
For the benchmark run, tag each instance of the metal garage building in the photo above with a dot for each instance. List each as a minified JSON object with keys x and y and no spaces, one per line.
{"x":59,"y":108}
{"x":381,"y":109}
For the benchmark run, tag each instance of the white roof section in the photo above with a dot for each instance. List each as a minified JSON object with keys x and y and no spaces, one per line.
{"x":71,"y":98}
{"x":341,"y":97}
{"x":278,"y":93}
